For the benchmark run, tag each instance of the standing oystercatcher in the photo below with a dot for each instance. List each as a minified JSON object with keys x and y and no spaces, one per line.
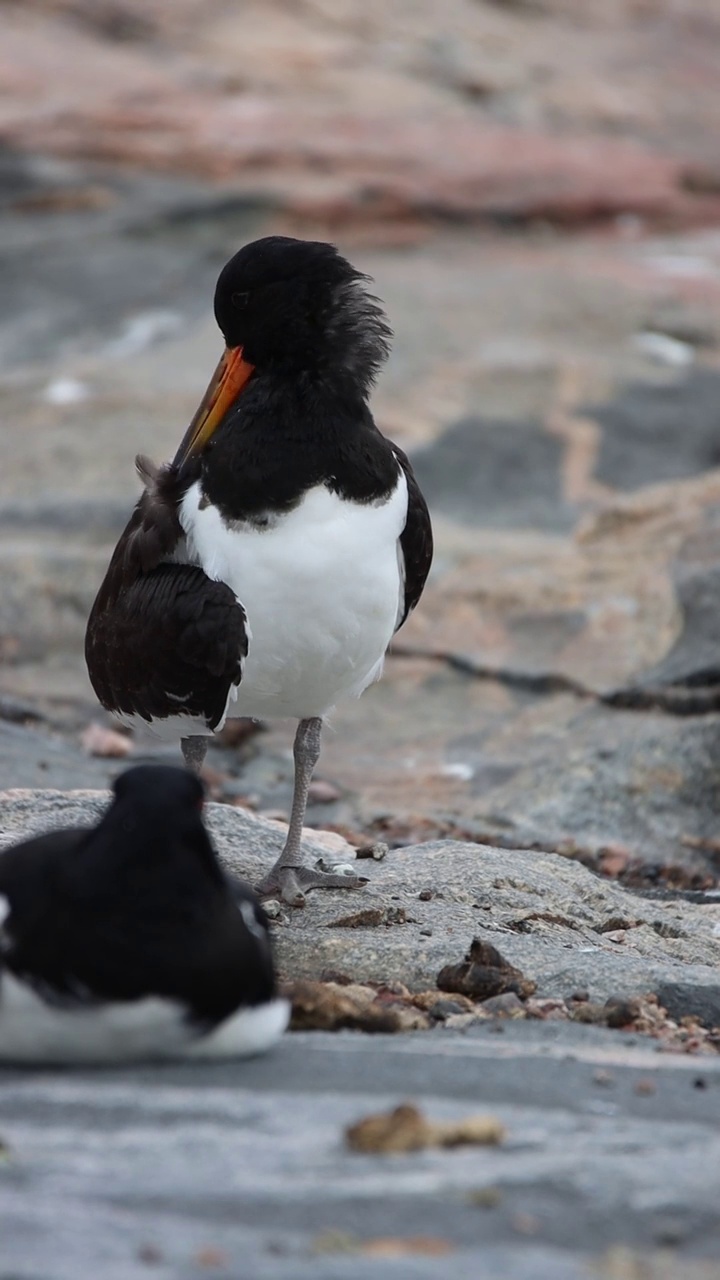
{"x":265,"y":570}
{"x":127,"y":941}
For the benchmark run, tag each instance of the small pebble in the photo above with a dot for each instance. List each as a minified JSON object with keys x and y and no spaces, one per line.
{"x":601,"y":1076}
{"x":507,"y":1005}
{"x":272,"y":908}
{"x":376,"y":851}
{"x":525,"y":1223}
{"x":150,"y":1254}
{"x":426,"y":933}
{"x":445,"y":1009}
{"x":335,"y":868}
{"x":211,"y":1257}
{"x":486,"y":1197}
{"x":645,"y":1087}
{"x":322,"y":792}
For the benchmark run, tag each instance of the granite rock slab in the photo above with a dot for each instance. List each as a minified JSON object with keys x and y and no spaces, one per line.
{"x":562,"y":925}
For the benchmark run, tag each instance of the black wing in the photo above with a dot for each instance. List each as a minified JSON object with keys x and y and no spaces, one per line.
{"x":163,"y":639}
{"x":416,"y":539}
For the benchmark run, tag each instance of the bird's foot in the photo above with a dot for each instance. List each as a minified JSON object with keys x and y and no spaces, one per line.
{"x":290,"y":884}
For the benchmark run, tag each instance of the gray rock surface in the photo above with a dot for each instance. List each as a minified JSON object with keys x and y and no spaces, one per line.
{"x":241,"y":1171}
{"x":563,"y":926}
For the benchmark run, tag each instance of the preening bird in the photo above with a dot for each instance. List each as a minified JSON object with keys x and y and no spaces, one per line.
{"x":127,"y":941}
{"x":265,"y":569}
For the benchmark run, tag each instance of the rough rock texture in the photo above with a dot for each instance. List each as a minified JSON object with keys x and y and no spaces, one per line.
{"x":242,"y":1169}
{"x":370,"y":115}
{"x":551,"y":917}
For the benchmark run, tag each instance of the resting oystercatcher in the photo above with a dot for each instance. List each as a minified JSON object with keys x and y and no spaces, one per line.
{"x":264,"y":571}
{"x":127,"y":941}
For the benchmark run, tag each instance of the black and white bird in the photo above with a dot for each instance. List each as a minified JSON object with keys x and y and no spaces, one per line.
{"x":127,"y":941}
{"x":265,"y":570}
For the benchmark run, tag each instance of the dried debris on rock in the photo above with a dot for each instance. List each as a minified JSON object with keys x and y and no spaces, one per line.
{"x":382,"y":1246}
{"x":99,"y":740}
{"x":484,"y":973}
{"x":338,"y":1004}
{"x":407,"y":1129}
{"x":331,"y":1006}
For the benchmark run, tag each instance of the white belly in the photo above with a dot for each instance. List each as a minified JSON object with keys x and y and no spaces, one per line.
{"x":321,"y":588}
{"x":32,"y":1031}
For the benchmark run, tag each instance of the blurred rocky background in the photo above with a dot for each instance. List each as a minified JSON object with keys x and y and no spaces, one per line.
{"x":534,"y":186}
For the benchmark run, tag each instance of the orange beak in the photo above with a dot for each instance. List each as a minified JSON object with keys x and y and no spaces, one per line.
{"x":225,"y":386}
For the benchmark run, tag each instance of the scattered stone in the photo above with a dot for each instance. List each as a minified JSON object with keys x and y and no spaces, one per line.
{"x":664,"y":350}
{"x":594,"y":1014}
{"x":439,"y":1010}
{"x":406,"y":1129}
{"x":370,"y":917}
{"x":400,"y":1247}
{"x":273,"y":909}
{"x":617,"y":924}
{"x":603,"y":1077}
{"x":622,"y":1013}
{"x":548,"y":1009}
{"x":98,"y":740}
{"x":613,"y":860}
{"x":645,"y":1087}
{"x":486,"y":1197}
{"x":507,"y":1005}
{"x":150,"y":1254}
{"x":211,"y":1257}
{"x":484,"y":973}
{"x":428,"y":1000}
{"x":376,"y":851}
{"x":236,"y":732}
{"x":461,"y":1021}
{"x":18,"y":711}
{"x":329,"y":1006}
{"x":322,"y":792}
{"x":335,"y":1242}
{"x":336,"y":868}
{"x":382,"y":1246}
{"x":682,"y":999}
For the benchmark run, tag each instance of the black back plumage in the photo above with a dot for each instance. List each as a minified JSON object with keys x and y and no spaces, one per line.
{"x":137,"y":906}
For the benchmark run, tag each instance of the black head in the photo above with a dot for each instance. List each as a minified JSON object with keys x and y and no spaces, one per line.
{"x":160,"y":788}
{"x":298,"y":304}
{"x":153,"y":828}
{"x":156,"y":803}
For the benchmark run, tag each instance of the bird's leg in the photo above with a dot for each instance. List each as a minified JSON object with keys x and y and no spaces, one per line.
{"x":288,"y":878}
{"x":194,"y":750}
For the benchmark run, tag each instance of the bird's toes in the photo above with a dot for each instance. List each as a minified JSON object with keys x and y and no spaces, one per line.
{"x":291,"y":884}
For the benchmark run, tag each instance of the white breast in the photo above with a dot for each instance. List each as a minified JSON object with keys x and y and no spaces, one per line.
{"x":132,"y":1031}
{"x":321,"y":587}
